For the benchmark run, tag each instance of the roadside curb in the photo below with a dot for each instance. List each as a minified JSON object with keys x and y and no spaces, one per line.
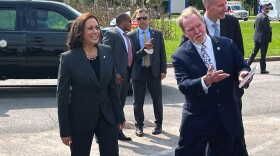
{"x":257,"y":59}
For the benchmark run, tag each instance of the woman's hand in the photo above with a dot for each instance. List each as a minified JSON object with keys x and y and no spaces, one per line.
{"x":66,"y":140}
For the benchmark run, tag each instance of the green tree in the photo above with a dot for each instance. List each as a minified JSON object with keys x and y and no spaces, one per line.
{"x":251,"y":5}
{"x":196,"y":3}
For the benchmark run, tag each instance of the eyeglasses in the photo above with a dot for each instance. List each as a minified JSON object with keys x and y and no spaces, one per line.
{"x":143,"y":18}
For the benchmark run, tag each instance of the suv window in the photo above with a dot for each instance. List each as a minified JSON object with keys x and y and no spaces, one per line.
{"x":8,"y":19}
{"x":48,"y":20}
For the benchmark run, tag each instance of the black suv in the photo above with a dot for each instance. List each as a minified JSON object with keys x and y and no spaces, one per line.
{"x":32,"y":36}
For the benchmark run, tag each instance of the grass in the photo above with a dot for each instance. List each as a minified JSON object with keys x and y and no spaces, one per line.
{"x":247,"y":28}
{"x":252,"y":18}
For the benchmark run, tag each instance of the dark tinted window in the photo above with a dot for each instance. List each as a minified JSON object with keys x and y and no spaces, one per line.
{"x":48,"y":20}
{"x":8,"y":19}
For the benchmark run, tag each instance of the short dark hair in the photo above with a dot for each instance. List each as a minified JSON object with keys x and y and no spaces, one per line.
{"x":76,"y":34}
{"x":142,"y":10}
{"x":122,"y":17}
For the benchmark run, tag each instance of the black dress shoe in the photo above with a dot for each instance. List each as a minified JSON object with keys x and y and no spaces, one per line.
{"x":139,"y":132}
{"x":121,"y":136}
{"x":264,"y":72}
{"x":157,"y":130}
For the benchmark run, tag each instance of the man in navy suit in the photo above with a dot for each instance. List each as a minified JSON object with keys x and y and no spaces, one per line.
{"x":205,"y":69}
{"x":227,"y":26}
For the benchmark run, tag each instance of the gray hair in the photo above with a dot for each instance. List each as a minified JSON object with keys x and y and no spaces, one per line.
{"x":204,"y":2}
{"x":186,"y":14}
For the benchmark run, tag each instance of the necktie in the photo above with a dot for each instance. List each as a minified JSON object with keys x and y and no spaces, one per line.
{"x":147,"y":62}
{"x":216,"y":29}
{"x":205,"y":57}
{"x":129,"y":51}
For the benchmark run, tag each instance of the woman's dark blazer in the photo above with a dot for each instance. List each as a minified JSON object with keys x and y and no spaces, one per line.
{"x":81,"y":97}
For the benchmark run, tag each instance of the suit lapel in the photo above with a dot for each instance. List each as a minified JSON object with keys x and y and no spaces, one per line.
{"x":137,"y":38}
{"x":152,"y":33}
{"x":120,"y":37}
{"x":102,"y":59}
{"x":194,"y":54}
{"x":85,"y":66}
{"x":217,"y":51}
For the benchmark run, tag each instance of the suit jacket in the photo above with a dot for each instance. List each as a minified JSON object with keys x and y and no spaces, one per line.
{"x":81,"y":97}
{"x":263,"y":31}
{"x":157,"y":59}
{"x":114,"y":39}
{"x":203,"y":113}
{"x":229,"y":27}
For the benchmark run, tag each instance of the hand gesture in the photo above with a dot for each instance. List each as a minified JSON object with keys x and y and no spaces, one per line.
{"x":214,"y":76}
{"x":149,"y":45}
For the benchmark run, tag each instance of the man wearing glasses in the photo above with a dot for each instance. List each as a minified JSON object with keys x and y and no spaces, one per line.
{"x":262,"y":37}
{"x":149,"y":69}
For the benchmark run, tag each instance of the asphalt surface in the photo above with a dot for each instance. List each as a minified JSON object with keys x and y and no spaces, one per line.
{"x":29,"y":127}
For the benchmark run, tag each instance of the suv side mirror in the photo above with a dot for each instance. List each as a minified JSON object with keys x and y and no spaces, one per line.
{"x":69,"y":25}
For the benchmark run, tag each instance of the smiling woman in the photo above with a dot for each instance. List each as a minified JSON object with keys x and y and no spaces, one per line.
{"x":88,"y":103}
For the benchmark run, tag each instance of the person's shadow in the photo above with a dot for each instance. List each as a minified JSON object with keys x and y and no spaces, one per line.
{"x":13,"y":98}
{"x":163,"y":144}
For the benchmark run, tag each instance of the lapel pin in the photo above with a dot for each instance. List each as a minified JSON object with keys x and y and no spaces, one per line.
{"x":218,"y":48}
{"x":104,"y":56}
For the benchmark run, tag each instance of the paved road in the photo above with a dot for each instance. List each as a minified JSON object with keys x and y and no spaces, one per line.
{"x":28,"y":119}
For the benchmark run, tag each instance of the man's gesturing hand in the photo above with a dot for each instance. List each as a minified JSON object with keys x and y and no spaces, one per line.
{"x":214,"y":76}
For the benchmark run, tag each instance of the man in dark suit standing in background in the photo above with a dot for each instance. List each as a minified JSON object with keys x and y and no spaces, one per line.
{"x":205,"y":69}
{"x":262,"y":37}
{"x":149,"y":69}
{"x":219,"y":24}
{"x":123,"y":57}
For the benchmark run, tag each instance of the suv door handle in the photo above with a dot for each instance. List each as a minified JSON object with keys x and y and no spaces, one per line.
{"x":37,"y":39}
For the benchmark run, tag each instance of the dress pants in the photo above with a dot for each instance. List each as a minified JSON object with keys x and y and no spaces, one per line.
{"x":146,"y":78}
{"x":263,"y":47}
{"x":221,"y":144}
{"x":239,"y":148}
{"x":239,"y":141}
{"x":107,"y":135}
{"x":124,"y":87}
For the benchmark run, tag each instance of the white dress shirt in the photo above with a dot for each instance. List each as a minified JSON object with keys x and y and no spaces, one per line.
{"x":210,"y":52}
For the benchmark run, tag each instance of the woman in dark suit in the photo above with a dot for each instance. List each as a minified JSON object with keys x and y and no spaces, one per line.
{"x":87,"y":98}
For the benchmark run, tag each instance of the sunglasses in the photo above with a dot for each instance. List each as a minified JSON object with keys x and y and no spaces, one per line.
{"x":142,"y":18}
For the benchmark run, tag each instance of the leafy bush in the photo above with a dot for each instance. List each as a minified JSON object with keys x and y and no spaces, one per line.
{"x":104,"y":13}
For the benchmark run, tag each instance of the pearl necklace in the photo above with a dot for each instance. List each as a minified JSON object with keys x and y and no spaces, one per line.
{"x":92,"y":56}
